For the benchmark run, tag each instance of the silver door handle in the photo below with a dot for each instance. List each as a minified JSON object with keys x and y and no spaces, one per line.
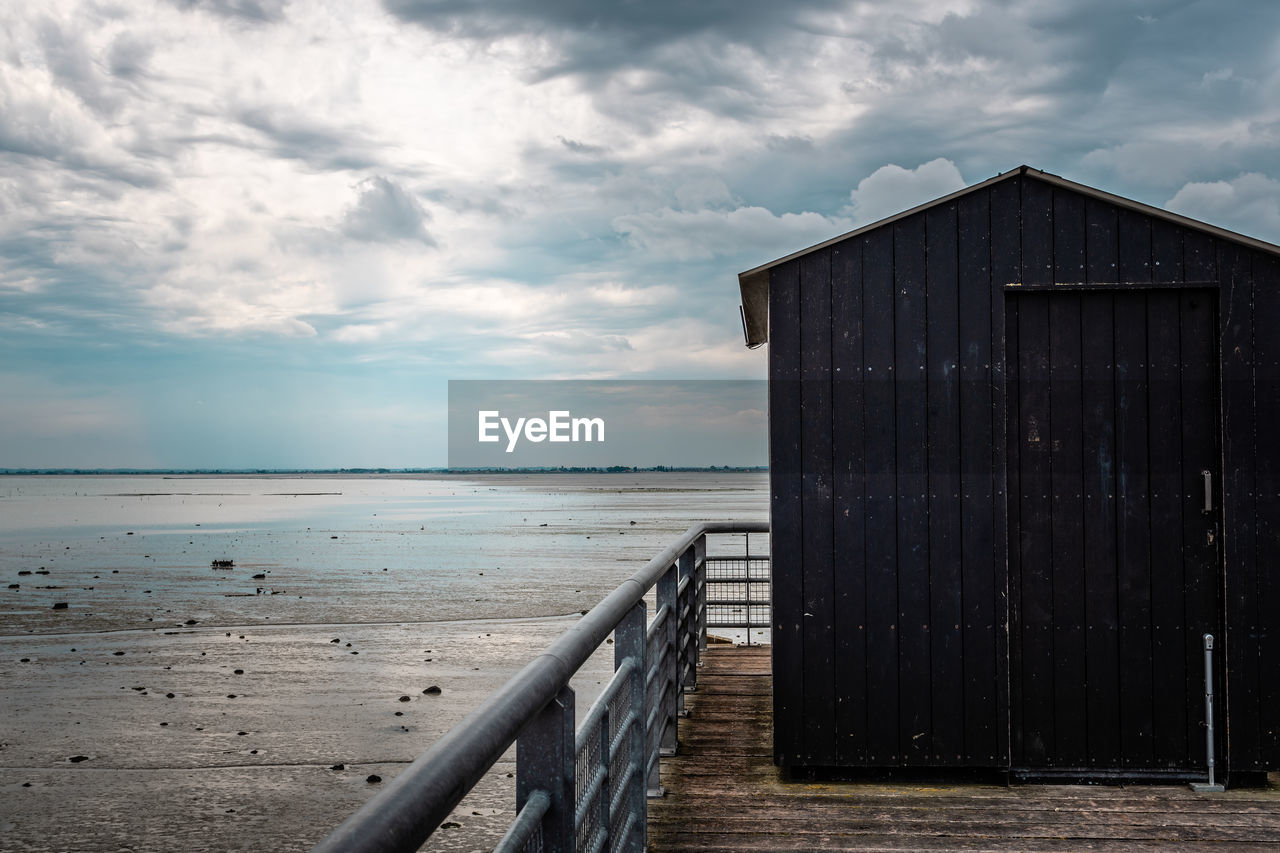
{"x":1208,"y":490}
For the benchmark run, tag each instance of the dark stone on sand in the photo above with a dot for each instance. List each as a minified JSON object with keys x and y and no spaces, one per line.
{"x":24,"y":660}
{"x":333,"y":537}
{"x":404,"y":698}
{"x":168,"y":696}
{"x":399,"y":713}
{"x":372,"y":778}
{"x":193,"y":621}
{"x":164,"y":724}
{"x":76,"y":759}
{"x":231,"y":695}
{"x":239,"y":672}
{"x":26,"y":784}
{"x":336,"y":640}
{"x":339,"y":766}
{"x":259,"y":577}
{"x":433,"y":690}
{"x":117,"y":654}
{"x":241,"y":734}
{"x":15,"y":586}
{"x":450,"y":824}
{"x":130,"y":533}
{"x":23,"y":572}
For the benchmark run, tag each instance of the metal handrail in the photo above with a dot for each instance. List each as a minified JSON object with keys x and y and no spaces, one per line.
{"x":403,"y":815}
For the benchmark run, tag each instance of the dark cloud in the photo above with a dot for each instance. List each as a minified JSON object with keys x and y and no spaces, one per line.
{"x":579,"y":147}
{"x":638,"y":25}
{"x":128,"y":55}
{"x":247,"y":11}
{"x":384,"y":213}
{"x":72,"y":65}
{"x":596,"y":39}
{"x":299,"y":137}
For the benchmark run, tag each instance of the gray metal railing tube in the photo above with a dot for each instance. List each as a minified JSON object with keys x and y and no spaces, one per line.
{"x":403,"y":815}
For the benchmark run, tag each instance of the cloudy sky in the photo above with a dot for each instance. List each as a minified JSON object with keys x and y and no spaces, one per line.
{"x":246,"y":233}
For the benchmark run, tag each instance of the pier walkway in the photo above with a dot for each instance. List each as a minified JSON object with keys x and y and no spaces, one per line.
{"x":724,"y":794}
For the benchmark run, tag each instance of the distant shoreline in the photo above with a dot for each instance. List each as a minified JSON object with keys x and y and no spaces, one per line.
{"x":363,"y":472}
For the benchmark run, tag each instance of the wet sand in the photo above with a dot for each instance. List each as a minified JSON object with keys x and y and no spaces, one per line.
{"x":127,"y":728}
{"x":206,"y":741}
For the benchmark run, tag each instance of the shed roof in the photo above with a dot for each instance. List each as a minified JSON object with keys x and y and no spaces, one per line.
{"x":754,"y":283}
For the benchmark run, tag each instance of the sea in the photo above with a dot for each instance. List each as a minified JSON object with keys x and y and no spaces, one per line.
{"x":229,"y":662}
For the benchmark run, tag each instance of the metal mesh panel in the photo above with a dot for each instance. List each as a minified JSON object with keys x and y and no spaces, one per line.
{"x":619,"y":778}
{"x":738,"y":592}
{"x":585,"y":764}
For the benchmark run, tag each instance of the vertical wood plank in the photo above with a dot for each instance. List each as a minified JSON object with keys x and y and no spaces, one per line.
{"x":946,"y":655}
{"x":1266,"y":277}
{"x":1239,"y":539}
{"x":1037,"y":232}
{"x":1067,"y":545}
{"x":1166,"y":252}
{"x":910,"y":353}
{"x":1199,"y":258}
{"x":818,"y":617}
{"x":1098,"y":448}
{"x":1068,"y":237}
{"x":1101,"y":246}
{"x":849,"y":474}
{"x":1202,"y":566}
{"x":1006,"y":265}
{"x":881,"y":544}
{"x":978,"y":478}
{"x":1035,"y":541}
{"x":1133,"y":522}
{"x":1134,"y":243}
{"x":786,"y":534}
{"x":1168,"y":629}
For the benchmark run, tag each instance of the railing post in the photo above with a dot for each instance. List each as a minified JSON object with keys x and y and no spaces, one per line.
{"x":545,"y":762}
{"x":603,"y":742}
{"x":688,"y":624}
{"x":669,"y":658}
{"x":700,"y":575}
{"x":746,"y":569}
{"x":629,"y":642}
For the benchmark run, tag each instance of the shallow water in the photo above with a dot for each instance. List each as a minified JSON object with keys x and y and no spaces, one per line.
{"x":448,"y":582}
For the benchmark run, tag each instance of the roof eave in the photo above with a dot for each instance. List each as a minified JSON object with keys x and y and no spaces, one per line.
{"x":754,"y":283}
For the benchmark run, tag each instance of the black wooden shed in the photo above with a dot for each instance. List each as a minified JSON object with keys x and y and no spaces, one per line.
{"x":992,"y":421}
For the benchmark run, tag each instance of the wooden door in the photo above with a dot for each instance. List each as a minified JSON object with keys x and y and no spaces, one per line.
{"x":1114,"y":566}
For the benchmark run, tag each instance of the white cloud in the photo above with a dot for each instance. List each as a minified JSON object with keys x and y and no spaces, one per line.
{"x":1248,"y":203}
{"x":699,"y":234}
{"x":385,"y":212}
{"x":892,"y":189}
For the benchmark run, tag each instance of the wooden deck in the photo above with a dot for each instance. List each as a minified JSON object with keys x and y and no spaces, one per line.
{"x":724,"y":794}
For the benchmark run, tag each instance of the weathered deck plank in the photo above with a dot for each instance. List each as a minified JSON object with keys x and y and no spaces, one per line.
{"x":724,"y":794}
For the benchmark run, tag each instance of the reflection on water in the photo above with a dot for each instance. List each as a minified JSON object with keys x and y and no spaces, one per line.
{"x":128,"y":552}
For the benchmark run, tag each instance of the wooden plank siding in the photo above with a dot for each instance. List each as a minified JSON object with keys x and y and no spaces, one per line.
{"x":949,"y":592}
